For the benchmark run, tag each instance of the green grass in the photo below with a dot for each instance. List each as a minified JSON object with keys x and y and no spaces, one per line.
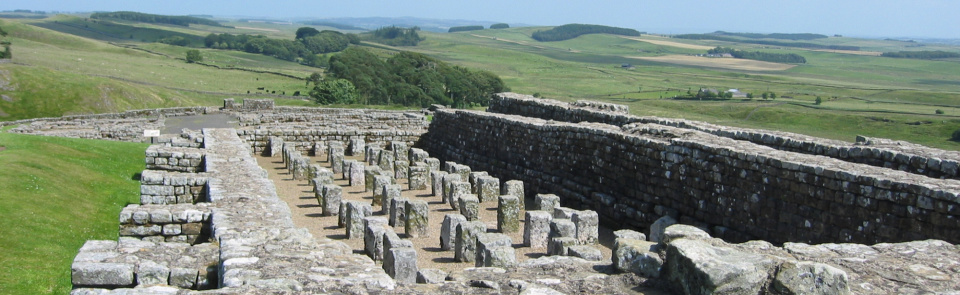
{"x":55,"y":194}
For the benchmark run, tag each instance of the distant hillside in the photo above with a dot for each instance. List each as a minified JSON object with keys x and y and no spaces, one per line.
{"x":570,"y":31}
{"x":334,"y":25}
{"x":801,"y":36}
{"x":730,"y":38}
{"x":155,"y":18}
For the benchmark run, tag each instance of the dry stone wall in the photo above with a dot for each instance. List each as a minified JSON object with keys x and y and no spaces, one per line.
{"x":736,"y":189}
{"x":126,"y":126}
{"x":877,"y":152}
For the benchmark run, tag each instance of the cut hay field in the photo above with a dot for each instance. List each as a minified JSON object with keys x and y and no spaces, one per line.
{"x":723,"y":63}
{"x":669,"y":43}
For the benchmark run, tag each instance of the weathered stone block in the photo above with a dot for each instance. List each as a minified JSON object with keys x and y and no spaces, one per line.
{"x":94,"y":274}
{"x":418,"y":155}
{"x":500,"y":256}
{"x":466,"y":242}
{"x":508,"y":214}
{"x":417,"y":219}
{"x":560,"y":245}
{"x":588,"y":226}
{"x":357,"y":176}
{"x":682,"y":231}
{"x":810,"y":278}
{"x":152,"y":273}
{"x":392,"y":240}
{"x":490,"y":240}
{"x":488,"y":188}
{"x":473,"y":178}
{"x":587,"y":252}
{"x":373,"y":236}
{"x":514,"y":188}
{"x":386,"y":162}
{"x":458,"y":189}
{"x":563,"y":228}
{"x":470,"y":207}
{"x":448,"y":180}
{"x":369,"y":174}
{"x":629,"y":234}
{"x":185,"y":278}
{"x":547,"y":202}
{"x":433,"y":164}
{"x":696,"y":267}
{"x":390,"y":193}
{"x":398,"y":212}
{"x":536,"y":229}
{"x":448,"y":230}
{"x":436,"y":183}
{"x":275,"y":146}
{"x":431,"y":276}
{"x":563,"y":213}
{"x":332,"y":197}
{"x":356,"y":211}
{"x":347,"y":165}
{"x":401,"y":169}
{"x":379,"y":184}
{"x":356,"y":146}
{"x":658,"y":226}
{"x":401,"y":265}
{"x":335,"y":157}
{"x":418,"y":177}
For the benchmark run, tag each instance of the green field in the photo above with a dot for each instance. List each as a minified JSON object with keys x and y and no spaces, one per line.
{"x":56,"y":194}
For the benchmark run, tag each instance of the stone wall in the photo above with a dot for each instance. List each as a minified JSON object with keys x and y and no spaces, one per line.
{"x":736,"y":189}
{"x":877,"y":152}
{"x":174,"y":159}
{"x":165,"y":187}
{"x":125,"y":126}
{"x":355,"y":119}
{"x":179,"y":223}
{"x":304,"y":139}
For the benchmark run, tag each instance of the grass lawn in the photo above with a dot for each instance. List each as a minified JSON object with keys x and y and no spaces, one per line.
{"x":55,"y":194}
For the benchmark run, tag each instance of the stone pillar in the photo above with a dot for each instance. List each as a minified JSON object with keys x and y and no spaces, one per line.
{"x":392,"y":240}
{"x":356,"y":146}
{"x":436,"y":183}
{"x":563,"y":228}
{"x":536,"y":229}
{"x":418,"y":177}
{"x":587,"y":223}
{"x":489,"y":240}
{"x":356,"y":211}
{"x":463,"y":170}
{"x":386,"y":162}
{"x":500,"y":256}
{"x":469,"y":206}
{"x":325,"y":175}
{"x":514,"y":188}
{"x":547,"y":202}
{"x":301,"y":168}
{"x":319,"y":149}
{"x":433,"y":163}
{"x":390,"y":192}
{"x":335,"y":157}
{"x":508,"y":214}
{"x":357,"y":170}
{"x":373,"y":229}
{"x":418,"y":155}
{"x":373,"y":156}
{"x":379,"y":182}
{"x":417,"y":219}
{"x":659,"y":226}
{"x":448,"y":180}
{"x":473,"y":178}
{"x":560,"y":245}
{"x":342,"y":215}
{"x":347,"y":165}
{"x":398,"y":212}
{"x":488,"y":188}
{"x":369,"y":173}
{"x":276,"y":147}
{"x":400,"y":169}
{"x":401,"y":264}
{"x":466,"y":242}
{"x":332,"y":197}
{"x":448,"y":230}
{"x":313,"y":171}
{"x":458,"y":189}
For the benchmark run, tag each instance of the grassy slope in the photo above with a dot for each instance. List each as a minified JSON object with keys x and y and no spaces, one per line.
{"x":56,"y":194}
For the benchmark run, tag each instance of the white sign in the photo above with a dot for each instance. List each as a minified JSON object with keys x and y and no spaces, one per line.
{"x":151,"y":133}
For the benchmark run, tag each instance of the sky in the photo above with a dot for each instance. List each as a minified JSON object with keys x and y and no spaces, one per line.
{"x":862,"y":18}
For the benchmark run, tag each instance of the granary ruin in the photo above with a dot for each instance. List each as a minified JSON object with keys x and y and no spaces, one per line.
{"x":533,"y":196}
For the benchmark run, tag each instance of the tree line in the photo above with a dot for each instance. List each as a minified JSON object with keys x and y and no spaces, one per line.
{"x":464,"y":29}
{"x":500,"y":26}
{"x":155,"y":18}
{"x":393,"y":36}
{"x":570,"y":31}
{"x":766,"y":42}
{"x":784,"y":36}
{"x":5,"y":54}
{"x":412,"y":79}
{"x":305,"y":48}
{"x":761,"y":56}
{"x":925,"y":54}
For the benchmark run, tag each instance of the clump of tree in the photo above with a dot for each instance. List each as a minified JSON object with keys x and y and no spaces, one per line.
{"x":155,"y":18}
{"x":193,"y":56}
{"x":175,"y":40}
{"x":394,"y":36}
{"x":800,"y":36}
{"x":6,"y":54}
{"x":464,"y":29}
{"x":306,"y":48}
{"x":500,"y":26}
{"x":570,"y":31}
{"x":765,"y":42}
{"x":406,"y":78}
{"x":925,"y":54}
{"x":761,"y":56}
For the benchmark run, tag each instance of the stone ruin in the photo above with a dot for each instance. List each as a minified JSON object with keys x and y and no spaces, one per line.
{"x":694,"y":208}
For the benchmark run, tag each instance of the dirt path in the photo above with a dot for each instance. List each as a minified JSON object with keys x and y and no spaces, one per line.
{"x":306,"y":213}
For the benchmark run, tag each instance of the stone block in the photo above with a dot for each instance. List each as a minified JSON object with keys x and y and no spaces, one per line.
{"x":417,"y":221}
{"x":563,"y":228}
{"x":469,"y":207}
{"x":369,"y":174}
{"x":536,"y":229}
{"x":433,"y":164}
{"x":390,"y":193}
{"x":332,"y":197}
{"x":398,"y":212}
{"x":357,"y":177}
{"x":195,"y":228}
{"x":171,"y":229}
{"x":501,"y":256}
{"x":560,"y":245}
{"x":401,"y":265}
{"x":448,"y":230}
{"x":448,"y":180}
{"x":319,"y":149}
{"x":431,"y":276}
{"x":392,"y":240}
{"x":418,"y":155}
{"x":356,"y":211}
{"x":508,"y":214}
{"x":587,"y":252}
{"x":401,"y":169}
{"x":436,"y":183}
{"x":463,"y":171}
{"x":275,"y":146}
{"x":94,"y":274}
{"x":185,"y":278}
{"x":466,"y":242}
{"x":629,"y":234}
{"x":379,"y":183}
{"x":682,"y":231}
{"x":418,"y":177}
{"x":658,"y":226}
{"x":473,"y":178}
{"x":372,"y":156}
{"x":386,"y":162}
{"x":356,"y":146}
{"x":335,"y":158}
{"x":697,"y":267}
{"x":514,"y":188}
{"x":546,"y":202}
{"x":374,"y":228}
{"x":488,"y":188}
{"x":810,"y":278}
{"x":588,"y":226}
{"x":152,"y":273}
{"x":458,"y":189}
{"x":490,"y":240}
{"x":563,"y":213}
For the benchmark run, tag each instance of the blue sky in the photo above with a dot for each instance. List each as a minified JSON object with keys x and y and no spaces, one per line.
{"x":867,"y":18}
